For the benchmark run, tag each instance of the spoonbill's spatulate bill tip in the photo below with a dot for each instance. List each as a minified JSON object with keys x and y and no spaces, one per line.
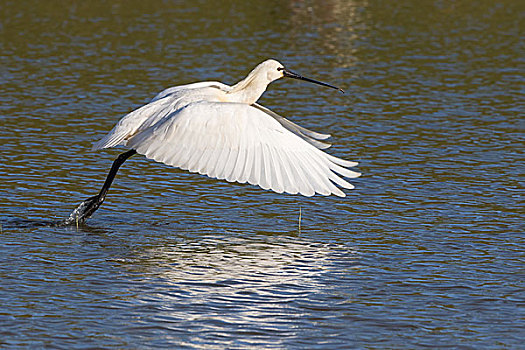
{"x":220,"y":131}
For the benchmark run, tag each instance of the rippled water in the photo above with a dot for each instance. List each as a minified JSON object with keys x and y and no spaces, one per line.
{"x":427,"y":252}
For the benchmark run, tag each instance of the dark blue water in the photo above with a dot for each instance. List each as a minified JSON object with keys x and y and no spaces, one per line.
{"x":426,"y":252}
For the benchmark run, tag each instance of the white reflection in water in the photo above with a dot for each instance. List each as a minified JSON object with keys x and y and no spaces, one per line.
{"x":262,"y":282}
{"x":215,"y":259}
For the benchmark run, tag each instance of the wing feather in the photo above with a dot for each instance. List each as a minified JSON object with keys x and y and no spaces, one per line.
{"x":286,"y":172}
{"x":298,"y":181}
{"x":233,"y":144}
{"x":325,"y":175}
{"x":220,"y":169}
{"x":274,"y":170}
{"x":218,"y":149}
{"x":339,"y":161}
{"x":250,"y":157}
{"x":240,"y":161}
{"x":188,"y":146}
{"x":319,"y":176}
{"x":343,"y":171}
{"x":307,"y":188}
{"x":293,"y":181}
{"x":179,"y":150}
{"x":340,"y":181}
{"x":209,"y":149}
{"x":266,"y":178}
{"x":255,"y":172}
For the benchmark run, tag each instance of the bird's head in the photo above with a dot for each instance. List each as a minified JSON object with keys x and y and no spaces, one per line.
{"x":275,"y":70}
{"x":253,"y":86}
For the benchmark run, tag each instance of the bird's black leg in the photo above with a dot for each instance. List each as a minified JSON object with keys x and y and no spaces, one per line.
{"x":90,"y":205}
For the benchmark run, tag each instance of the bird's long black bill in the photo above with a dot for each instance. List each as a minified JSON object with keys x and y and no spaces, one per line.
{"x":289,"y":74}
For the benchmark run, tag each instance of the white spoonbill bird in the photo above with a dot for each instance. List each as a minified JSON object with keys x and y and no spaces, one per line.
{"x":219,"y":130}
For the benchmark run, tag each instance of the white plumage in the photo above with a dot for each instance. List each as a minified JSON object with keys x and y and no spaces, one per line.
{"x":220,"y":131}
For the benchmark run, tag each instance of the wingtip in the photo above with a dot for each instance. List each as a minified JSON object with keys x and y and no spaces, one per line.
{"x":98,"y":146}
{"x":340,"y":194}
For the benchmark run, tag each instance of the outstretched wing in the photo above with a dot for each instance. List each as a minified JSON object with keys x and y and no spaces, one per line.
{"x":242,"y":143}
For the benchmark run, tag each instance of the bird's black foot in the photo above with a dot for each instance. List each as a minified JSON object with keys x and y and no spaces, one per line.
{"x":90,"y":205}
{"x":83,"y":211}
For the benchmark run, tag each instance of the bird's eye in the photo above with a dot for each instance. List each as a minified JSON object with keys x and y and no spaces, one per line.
{"x":280,"y":68}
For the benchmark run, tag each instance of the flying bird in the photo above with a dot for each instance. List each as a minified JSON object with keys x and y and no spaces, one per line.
{"x":221,"y":131}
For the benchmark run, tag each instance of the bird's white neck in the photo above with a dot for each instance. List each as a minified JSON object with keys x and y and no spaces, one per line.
{"x":248,"y":90}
